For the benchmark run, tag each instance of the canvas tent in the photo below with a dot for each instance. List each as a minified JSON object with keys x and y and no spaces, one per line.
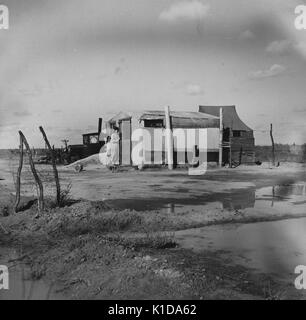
{"x":238,"y":138}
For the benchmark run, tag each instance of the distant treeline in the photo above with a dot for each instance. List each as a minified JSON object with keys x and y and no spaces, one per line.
{"x":283,"y":153}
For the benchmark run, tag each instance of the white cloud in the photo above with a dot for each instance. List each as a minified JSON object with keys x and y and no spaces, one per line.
{"x":246,"y":35}
{"x":185,"y":10}
{"x":279,"y":47}
{"x":285,"y":46}
{"x":273,"y":71}
{"x":194,"y":89}
{"x":300,"y":110}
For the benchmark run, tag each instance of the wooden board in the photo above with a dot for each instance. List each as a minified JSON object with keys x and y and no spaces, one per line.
{"x":125,"y":145}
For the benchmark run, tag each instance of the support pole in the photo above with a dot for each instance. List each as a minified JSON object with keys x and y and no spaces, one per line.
{"x":230,"y":146}
{"x":169,"y":138}
{"x":240,"y":155}
{"x":221,"y":138}
{"x":55,"y":172}
{"x":99,"y":126}
{"x":35,"y":174}
{"x":273,"y":147}
{"x":19,"y":175}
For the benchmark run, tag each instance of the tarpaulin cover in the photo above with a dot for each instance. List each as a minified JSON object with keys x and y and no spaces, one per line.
{"x":230,"y":116}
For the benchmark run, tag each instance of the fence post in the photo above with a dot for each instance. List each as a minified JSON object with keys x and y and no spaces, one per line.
{"x":18,"y":178}
{"x":35,"y":174}
{"x":58,"y":187}
{"x":273,"y":147}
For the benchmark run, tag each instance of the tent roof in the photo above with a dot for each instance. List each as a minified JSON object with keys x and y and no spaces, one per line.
{"x":230,"y":116}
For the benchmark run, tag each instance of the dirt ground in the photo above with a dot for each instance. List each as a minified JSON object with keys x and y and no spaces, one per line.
{"x":114,"y":236}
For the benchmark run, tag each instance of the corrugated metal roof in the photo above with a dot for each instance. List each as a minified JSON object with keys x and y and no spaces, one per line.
{"x":179,"y":119}
{"x":146,"y":115}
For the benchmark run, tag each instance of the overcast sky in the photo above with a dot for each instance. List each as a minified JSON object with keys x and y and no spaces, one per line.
{"x":65,"y":63}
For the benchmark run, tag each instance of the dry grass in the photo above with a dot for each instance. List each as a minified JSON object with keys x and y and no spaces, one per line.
{"x":149,"y":240}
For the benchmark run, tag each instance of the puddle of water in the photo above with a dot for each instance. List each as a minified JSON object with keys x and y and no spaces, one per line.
{"x":20,"y":288}
{"x":270,"y":247}
{"x":283,"y":197}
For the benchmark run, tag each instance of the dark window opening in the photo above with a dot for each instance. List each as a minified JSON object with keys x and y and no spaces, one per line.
{"x":236,"y":133}
{"x":156,"y":123}
{"x":90,"y":139}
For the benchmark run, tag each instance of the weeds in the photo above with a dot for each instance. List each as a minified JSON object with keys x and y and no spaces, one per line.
{"x":37,"y":274}
{"x":272,"y":293}
{"x":76,"y":221}
{"x":117,"y":222}
{"x":149,"y":241}
{"x":4,"y":211}
{"x":65,"y":196}
{"x":105,"y":223}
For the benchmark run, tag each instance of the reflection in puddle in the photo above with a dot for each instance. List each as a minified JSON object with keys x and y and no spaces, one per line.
{"x":282,"y":196}
{"x":271,"y":247}
{"x":283,"y":192}
{"x":20,"y":286}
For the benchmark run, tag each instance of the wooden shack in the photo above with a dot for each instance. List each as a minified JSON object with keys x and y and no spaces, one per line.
{"x":194,"y":134}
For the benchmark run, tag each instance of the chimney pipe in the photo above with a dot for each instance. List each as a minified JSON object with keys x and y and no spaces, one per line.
{"x":100,"y":125}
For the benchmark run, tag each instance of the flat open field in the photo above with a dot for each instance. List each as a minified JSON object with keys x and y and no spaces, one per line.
{"x":157,"y":233}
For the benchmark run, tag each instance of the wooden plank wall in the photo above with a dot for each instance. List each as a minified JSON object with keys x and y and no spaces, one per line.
{"x":243,"y":148}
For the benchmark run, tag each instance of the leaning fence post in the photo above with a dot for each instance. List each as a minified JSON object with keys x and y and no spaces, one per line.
{"x":19,"y":175}
{"x":58,"y":188}
{"x":37,"y":179}
{"x":273,"y":147}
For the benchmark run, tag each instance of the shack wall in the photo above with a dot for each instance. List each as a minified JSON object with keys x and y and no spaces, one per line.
{"x":243,"y":149}
{"x":150,"y":144}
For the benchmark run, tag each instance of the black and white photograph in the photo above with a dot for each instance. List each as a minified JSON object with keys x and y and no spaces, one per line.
{"x":152,"y":150}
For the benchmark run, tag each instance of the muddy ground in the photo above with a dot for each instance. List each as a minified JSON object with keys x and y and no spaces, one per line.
{"x":115,"y":234}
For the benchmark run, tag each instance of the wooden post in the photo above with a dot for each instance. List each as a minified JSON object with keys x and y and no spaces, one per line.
{"x":58,"y":187}
{"x":19,"y":175}
{"x":169,"y":138}
{"x":35,"y":174}
{"x":230,"y":147}
{"x":221,"y":138}
{"x":240,"y":155}
{"x":273,"y":147}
